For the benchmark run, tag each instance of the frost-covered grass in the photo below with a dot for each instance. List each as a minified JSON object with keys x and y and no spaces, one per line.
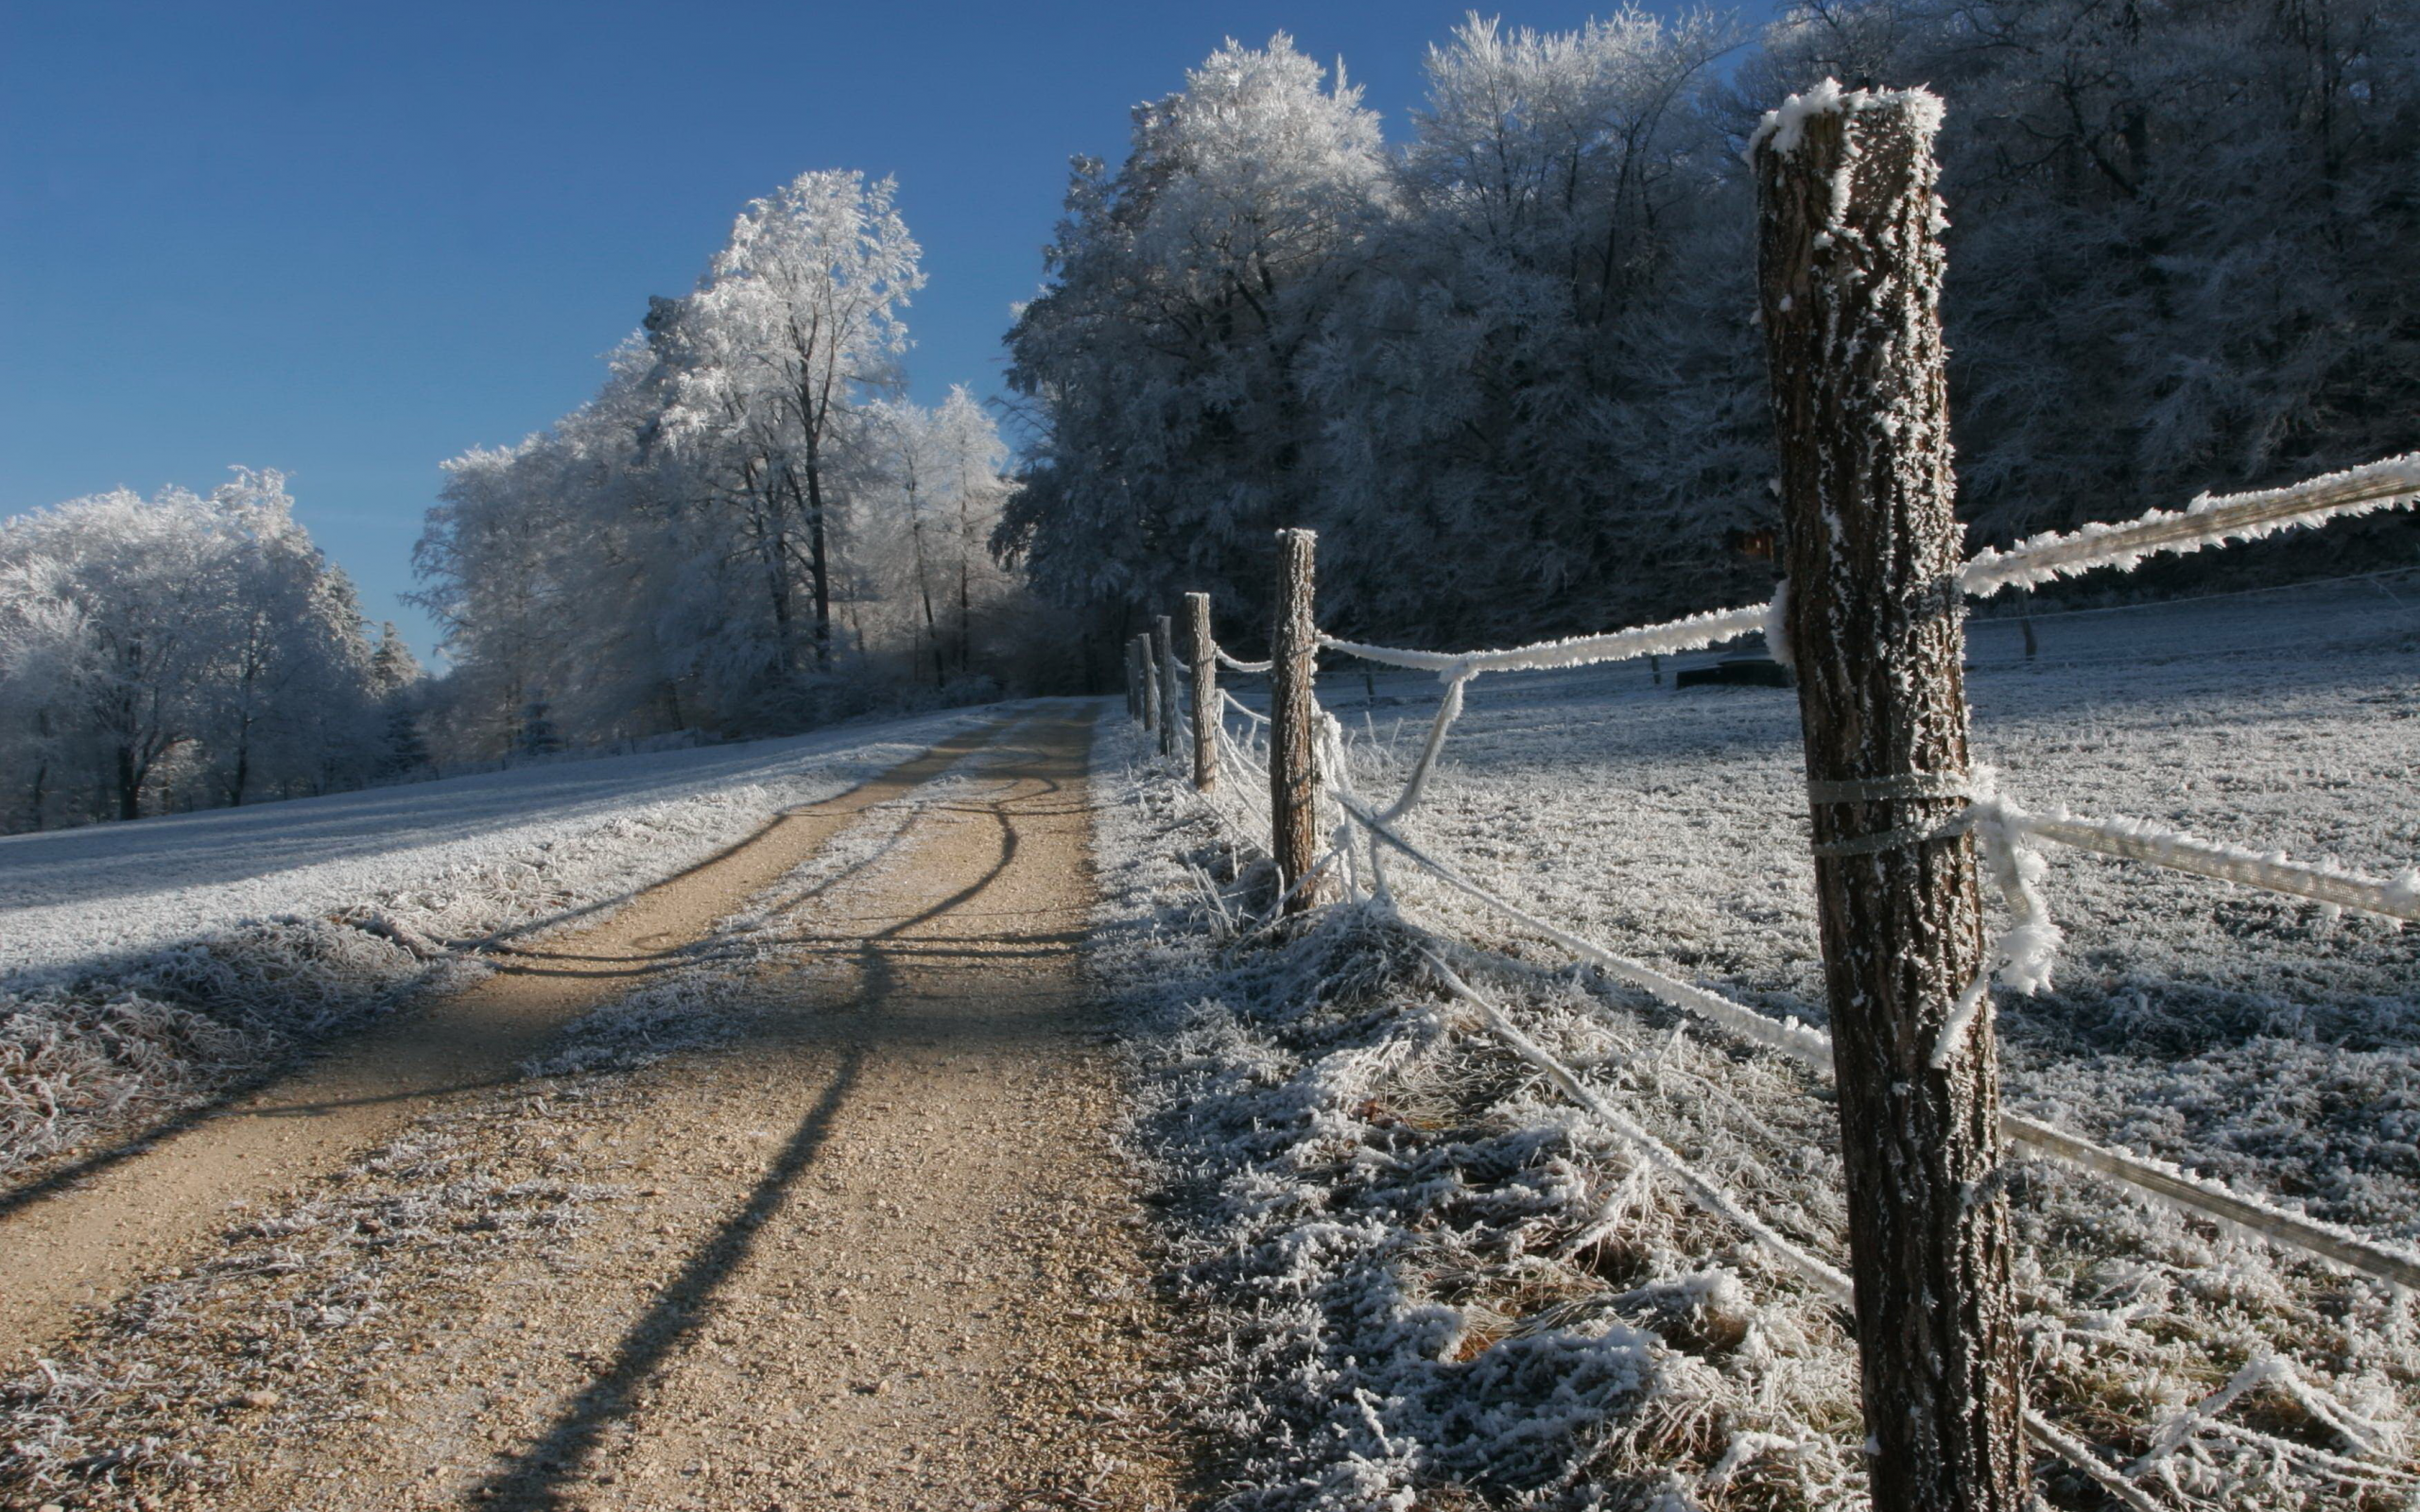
{"x":1434,"y":1271}
{"x":149,"y":964}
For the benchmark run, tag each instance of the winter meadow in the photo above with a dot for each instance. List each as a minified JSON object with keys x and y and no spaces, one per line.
{"x":1679,"y":779}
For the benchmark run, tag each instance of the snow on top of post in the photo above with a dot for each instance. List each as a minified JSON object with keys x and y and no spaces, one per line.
{"x":1785,"y":127}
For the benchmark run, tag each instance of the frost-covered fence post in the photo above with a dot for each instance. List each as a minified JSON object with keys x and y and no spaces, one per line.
{"x":1133,"y":685}
{"x":1151,"y":683}
{"x":1849,"y":270}
{"x":1205,"y":692}
{"x":1164,"y":660}
{"x":1293,"y":715}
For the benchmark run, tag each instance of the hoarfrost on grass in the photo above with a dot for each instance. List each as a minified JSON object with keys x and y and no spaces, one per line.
{"x":1338,"y":1144}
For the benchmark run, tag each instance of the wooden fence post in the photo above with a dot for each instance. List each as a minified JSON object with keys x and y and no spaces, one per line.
{"x":1205,"y":692}
{"x":1134,"y":693}
{"x":1164,"y":660}
{"x":1151,"y":683}
{"x":1293,"y":768}
{"x":1849,"y":271}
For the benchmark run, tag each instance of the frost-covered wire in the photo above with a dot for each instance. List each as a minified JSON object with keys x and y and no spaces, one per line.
{"x":2024,"y":952}
{"x":2270,"y":871}
{"x":1242,"y":707}
{"x":1791,"y":1038}
{"x":2390,"y":483}
{"x":1825,"y":1278}
{"x":1812,"y":1047}
{"x":2078,"y":1455}
{"x":1692,"y":633}
{"x":2394,"y":483}
{"x":1237,"y":664}
{"x":1449,"y":707}
{"x":2207,"y":1199}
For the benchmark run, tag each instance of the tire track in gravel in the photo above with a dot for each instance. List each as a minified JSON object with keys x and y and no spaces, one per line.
{"x":876,"y":1249}
{"x":85,"y":1242}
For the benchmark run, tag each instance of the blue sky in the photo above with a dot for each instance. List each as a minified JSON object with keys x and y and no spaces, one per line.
{"x":351,"y":241}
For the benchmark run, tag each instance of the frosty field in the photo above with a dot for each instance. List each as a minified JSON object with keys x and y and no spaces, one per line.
{"x":1434,"y":1267}
{"x":70,"y":899}
{"x":142,"y":965}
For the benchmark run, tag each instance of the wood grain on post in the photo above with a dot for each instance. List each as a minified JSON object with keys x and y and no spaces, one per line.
{"x":1294,"y":770}
{"x":1205,"y":692}
{"x":1164,"y":660}
{"x":1849,"y":270}
{"x":1151,"y":683}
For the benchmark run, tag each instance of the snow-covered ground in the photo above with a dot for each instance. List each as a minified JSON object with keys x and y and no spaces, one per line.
{"x":1433,"y":1268}
{"x":72,"y":898}
{"x":142,"y":965}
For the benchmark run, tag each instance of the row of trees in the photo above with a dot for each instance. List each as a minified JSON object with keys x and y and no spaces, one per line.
{"x":182,"y":652}
{"x":1509,"y":366}
{"x":748,"y":530}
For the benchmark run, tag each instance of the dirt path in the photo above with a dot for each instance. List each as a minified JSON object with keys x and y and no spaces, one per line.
{"x":86,"y":1241}
{"x":874,"y":1251}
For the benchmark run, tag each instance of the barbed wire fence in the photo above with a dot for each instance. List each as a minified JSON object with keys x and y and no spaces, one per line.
{"x":1906,"y":829}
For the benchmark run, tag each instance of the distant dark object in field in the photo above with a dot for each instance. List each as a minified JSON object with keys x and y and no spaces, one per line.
{"x":1736,"y":671}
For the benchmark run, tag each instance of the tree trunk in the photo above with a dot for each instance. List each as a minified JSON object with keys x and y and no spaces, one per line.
{"x":130,"y":784}
{"x":1850,"y":296}
{"x":1205,"y":692}
{"x":924,"y":589}
{"x":819,"y":564}
{"x":966,"y":590}
{"x":1293,"y":768}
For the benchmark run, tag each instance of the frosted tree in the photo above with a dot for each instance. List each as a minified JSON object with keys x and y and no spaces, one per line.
{"x":399,"y":684}
{"x":746,"y":531}
{"x":178,"y":638}
{"x":2175,"y":250}
{"x":794,"y":330}
{"x":1492,"y":368}
{"x":492,"y":552}
{"x":289,"y":699}
{"x":972,"y":459}
{"x":1163,"y":365}
{"x":930,"y":521}
{"x":1542,"y":388}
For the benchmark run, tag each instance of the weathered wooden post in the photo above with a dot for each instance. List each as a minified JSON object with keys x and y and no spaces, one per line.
{"x":1164,"y":659}
{"x":1294,"y":770}
{"x":1151,"y":683}
{"x":1133,"y":710}
{"x":1849,"y":269}
{"x":1205,"y":692}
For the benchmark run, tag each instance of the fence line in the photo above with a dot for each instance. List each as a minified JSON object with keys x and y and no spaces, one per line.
{"x":2134,"y":840}
{"x":1877,"y":805}
{"x":1812,"y":1048}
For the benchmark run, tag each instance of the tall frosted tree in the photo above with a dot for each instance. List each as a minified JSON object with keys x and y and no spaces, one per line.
{"x":747,"y":530}
{"x":1540,"y":387}
{"x":2176,"y":238}
{"x":1164,"y":363}
{"x":1478,"y":365}
{"x":792,"y":333}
